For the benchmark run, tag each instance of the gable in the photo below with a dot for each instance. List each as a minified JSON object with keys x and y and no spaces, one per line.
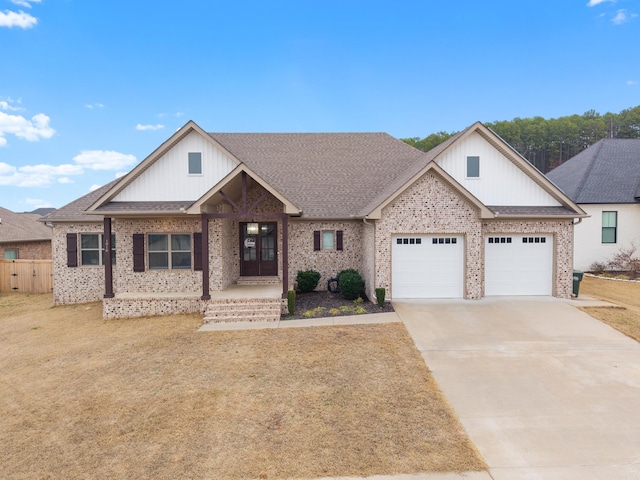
{"x":500,"y":180}
{"x":168,"y":178}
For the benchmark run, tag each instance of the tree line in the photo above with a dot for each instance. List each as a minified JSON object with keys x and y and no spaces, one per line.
{"x":546,"y":143}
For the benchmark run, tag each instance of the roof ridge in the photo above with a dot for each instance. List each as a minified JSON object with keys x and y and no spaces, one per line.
{"x":587,"y":171}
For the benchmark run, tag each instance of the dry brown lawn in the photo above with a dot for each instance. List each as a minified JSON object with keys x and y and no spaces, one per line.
{"x":625,"y":294}
{"x":81,"y":397}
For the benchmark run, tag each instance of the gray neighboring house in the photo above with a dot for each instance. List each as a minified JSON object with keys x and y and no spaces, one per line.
{"x":23,"y":236}
{"x":206,"y":213}
{"x":604,"y":180}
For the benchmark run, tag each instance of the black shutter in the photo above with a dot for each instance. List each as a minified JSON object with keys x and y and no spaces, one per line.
{"x":197,"y":251}
{"x":316,"y":240}
{"x":338,"y":239}
{"x":72,"y":249}
{"x":138,"y":252}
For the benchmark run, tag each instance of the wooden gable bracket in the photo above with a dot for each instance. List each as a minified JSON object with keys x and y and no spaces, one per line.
{"x":243,"y":209}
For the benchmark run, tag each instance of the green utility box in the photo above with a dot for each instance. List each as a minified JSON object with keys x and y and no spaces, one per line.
{"x":577,"y":278}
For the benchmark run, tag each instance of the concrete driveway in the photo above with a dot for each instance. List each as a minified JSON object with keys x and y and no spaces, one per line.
{"x":543,"y":390}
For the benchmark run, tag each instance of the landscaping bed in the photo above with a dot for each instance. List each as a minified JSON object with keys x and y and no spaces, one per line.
{"x":327,"y":304}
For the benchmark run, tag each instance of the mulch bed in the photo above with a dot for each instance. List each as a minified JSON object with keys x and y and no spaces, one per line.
{"x":308,"y":302}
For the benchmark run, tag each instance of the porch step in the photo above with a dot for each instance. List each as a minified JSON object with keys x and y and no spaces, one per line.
{"x":243,"y":310}
{"x":258,"y":280}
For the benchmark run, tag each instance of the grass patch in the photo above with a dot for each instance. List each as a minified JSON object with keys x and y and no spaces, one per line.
{"x":626,"y":317}
{"x":153,"y":398}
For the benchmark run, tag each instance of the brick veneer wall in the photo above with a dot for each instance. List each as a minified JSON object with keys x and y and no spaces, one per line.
{"x":152,"y":281}
{"x":74,"y":284}
{"x":562,"y":231}
{"x":369,"y":260}
{"x":36,"y":250}
{"x":327,"y":262}
{"x":431,"y":206}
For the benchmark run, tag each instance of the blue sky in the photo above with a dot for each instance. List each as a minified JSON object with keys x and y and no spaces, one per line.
{"x":88,"y":88}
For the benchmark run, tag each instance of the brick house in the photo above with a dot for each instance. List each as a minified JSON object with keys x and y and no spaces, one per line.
{"x":208,"y":211}
{"x":23,"y":236}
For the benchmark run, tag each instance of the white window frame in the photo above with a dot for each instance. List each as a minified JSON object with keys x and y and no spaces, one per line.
{"x":608,"y":227}
{"x":169,"y":252}
{"x":100,"y":250}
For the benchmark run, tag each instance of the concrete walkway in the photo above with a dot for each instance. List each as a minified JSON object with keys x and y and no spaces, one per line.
{"x":543,"y":390}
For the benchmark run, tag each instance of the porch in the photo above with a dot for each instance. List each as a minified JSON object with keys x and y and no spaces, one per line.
{"x":246,"y":303}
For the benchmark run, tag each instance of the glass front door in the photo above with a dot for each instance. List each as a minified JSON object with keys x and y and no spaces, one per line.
{"x":258,"y":247}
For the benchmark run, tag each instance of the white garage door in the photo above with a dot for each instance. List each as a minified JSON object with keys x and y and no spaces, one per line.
{"x":518,"y":265}
{"x":427,"y":266}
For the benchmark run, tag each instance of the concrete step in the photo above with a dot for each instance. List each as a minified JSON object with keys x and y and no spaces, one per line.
{"x":258,"y":280}
{"x":243,"y":310}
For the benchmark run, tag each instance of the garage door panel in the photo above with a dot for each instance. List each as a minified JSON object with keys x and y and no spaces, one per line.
{"x":518,"y":265}
{"x":427,"y":267}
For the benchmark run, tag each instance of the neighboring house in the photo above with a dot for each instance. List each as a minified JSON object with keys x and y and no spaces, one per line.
{"x":604,"y":180}
{"x":205,"y":211}
{"x":23,"y":236}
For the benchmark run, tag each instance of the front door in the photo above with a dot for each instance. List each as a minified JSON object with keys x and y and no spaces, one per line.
{"x":258,"y":247}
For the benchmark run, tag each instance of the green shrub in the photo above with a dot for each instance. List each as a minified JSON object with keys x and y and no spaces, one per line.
{"x":351,"y":284}
{"x":307,"y":280}
{"x":291,"y":301}
{"x":380,"y":294}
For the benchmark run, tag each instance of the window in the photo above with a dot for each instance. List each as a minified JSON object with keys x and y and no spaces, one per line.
{"x":169,"y":251}
{"x":609,"y":227}
{"x":473,"y":167}
{"x":328,"y":240}
{"x":92,"y":249}
{"x":11,"y":254}
{"x":195,"y":163}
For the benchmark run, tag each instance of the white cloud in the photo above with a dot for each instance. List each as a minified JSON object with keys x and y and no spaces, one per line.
{"x":6,"y":169}
{"x":94,"y":187}
{"x":622,"y":17}
{"x":30,"y":130}
{"x":24,"y":3}
{"x":43,"y":175}
{"x":149,"y":127}
{"x":120,"y":174}
{"x":6,"y":105}
{"x":593,"y":3}
{"x":37,"y":203}
{"x":104,"y":160}
{"x":35,"y":175}
{"x":94,"y":105}
{"x":17,"y":19}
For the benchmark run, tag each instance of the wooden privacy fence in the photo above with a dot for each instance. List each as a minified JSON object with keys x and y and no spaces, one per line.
{"x":29,"y":276}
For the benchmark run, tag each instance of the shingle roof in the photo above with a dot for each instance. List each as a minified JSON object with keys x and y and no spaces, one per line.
{"x":517,"y":211}
{"x":143,"y":207}
{"x":75,"y":211}
{"x":328,"y":175}
{"x":606,"y":172}
{"x":22,"y":227}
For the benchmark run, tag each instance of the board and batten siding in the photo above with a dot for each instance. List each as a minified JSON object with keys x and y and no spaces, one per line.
{"x":168,"y":178}
{"x":500,"y":182}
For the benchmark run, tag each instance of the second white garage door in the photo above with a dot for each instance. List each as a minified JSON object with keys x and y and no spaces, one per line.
{"x":518,"y":265}
{"x":427,"y":266}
